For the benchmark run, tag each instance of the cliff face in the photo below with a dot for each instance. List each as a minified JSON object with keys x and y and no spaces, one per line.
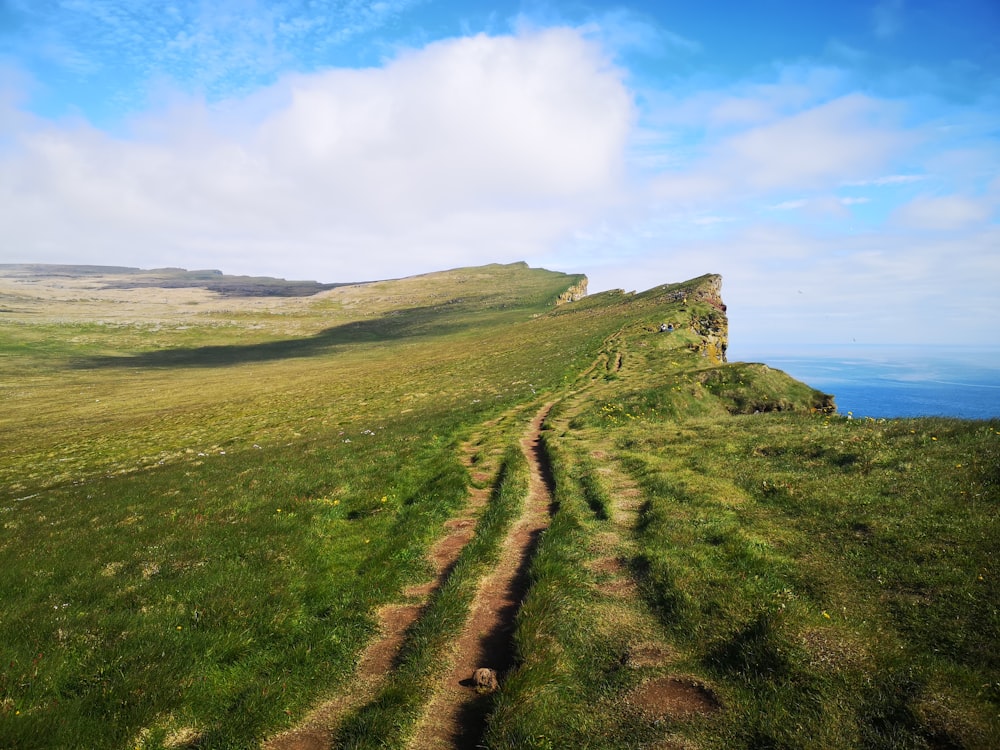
{"x":710,"y":324}
{"x":575,"y":292}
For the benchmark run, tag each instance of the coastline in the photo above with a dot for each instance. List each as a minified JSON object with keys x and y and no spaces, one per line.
{"x":894,"y":381}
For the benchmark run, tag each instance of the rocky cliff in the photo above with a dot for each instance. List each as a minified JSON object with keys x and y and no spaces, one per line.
{"x":575,"y":292}
{"x":708,"y":319}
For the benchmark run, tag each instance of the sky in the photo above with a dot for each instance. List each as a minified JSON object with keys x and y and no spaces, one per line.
{"x":837,"y":163}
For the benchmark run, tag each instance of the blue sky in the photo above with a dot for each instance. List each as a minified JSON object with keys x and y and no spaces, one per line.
{"x":837,"y":163}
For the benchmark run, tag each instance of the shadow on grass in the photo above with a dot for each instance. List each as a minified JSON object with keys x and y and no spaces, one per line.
{"x":497,"y":651}
{"x":754,"y":652}
{"x":412,"y":323}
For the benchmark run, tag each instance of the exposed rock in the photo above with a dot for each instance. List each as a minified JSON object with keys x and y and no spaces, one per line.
{"x":575,"y":292}
{"x":484,"y":680}
{"x":712,"y":327}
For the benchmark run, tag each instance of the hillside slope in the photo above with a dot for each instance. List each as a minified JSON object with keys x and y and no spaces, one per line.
{"x":235,"y":521}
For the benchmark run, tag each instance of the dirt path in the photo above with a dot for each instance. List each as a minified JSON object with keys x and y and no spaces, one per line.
{"x":455,"y":716}
{"x":454,"y":719}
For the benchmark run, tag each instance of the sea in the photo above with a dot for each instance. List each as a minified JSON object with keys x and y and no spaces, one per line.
{"x":884,"y":382}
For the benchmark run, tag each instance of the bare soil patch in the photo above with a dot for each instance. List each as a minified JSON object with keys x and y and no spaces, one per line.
{"x":645,"y":655}
{"x":618,"y":581}
{"x":610,"y":566}
{"x":675,"y":697}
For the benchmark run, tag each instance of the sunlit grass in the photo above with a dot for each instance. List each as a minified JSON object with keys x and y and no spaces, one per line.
{"x":204,"y":504}
{"x":197,"y":532}
{"x":832,"y":581}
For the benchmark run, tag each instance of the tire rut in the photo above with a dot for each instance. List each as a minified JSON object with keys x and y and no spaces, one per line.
{"x":317,"y":730}
{"x":455,"y":717}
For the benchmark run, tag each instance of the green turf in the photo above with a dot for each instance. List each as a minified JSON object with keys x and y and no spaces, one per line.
{"x":204,"y":503}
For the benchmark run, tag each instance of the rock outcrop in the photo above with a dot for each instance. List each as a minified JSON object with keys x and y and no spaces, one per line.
{"x":575,"y":292}
{"x":712,"y":326}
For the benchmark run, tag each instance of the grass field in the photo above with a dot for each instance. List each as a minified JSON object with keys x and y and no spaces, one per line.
{"x":791,"y":579}
{"x":205,"y":498}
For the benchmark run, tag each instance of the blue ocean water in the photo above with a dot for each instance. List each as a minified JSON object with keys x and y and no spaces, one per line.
{"x":896,"y":381}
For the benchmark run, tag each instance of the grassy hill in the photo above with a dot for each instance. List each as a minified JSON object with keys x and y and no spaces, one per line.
{"x":209,"y":495}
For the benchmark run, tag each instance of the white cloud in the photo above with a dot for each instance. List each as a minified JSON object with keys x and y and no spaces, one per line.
{"x":892,"y":179}
{"x":820,"y":204}
{"x":778,"y":91}
{"x":622,"y":29}
{"x":480,"y":148}
{"x":789,"y":205}
{"x":817,"y":147}
{"x":706,"y":221}
{"x":945,"y":213}
{"x":833,"y":141}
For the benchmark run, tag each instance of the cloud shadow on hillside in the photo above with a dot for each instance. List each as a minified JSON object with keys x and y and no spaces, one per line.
{"x":411,"y":323}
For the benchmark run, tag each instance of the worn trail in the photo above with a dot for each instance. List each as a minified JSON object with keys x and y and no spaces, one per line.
{"x":455,"y":716}
{"x":318,"y":729}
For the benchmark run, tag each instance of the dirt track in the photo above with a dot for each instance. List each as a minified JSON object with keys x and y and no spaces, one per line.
{"x":454,"y":719}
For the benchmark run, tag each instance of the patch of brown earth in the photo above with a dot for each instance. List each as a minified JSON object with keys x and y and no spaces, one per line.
{"x":394,"y":621}
{"x":301,"y":739}
{"x":675,"y":697}
{"x":617,"y":588}
{"x":628,"y":499}
{"x":446,"y":551}
{"x":420,"y":590}
{"x":480,"y":477}
{"x":618,"y":582}
{"x":678,"y":743}
{"x":644,"y":655}
{"x":182,"y":739}
{"x":608,"y":565}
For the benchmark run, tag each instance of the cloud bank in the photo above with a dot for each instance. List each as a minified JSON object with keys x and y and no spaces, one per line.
{"x":835,"y":213}
{"x":469,"y":150}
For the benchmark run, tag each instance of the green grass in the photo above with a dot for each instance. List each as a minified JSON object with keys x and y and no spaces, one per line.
{"x":195,"y":536}
{"x":203,"y":506}
{"x":832,"y":582}
{"x":831,"y":574}
{"x":230,"y":589}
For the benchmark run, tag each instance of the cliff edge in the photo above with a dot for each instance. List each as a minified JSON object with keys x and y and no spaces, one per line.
{"x":711,"y":324}
{"x":575,"y":292}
